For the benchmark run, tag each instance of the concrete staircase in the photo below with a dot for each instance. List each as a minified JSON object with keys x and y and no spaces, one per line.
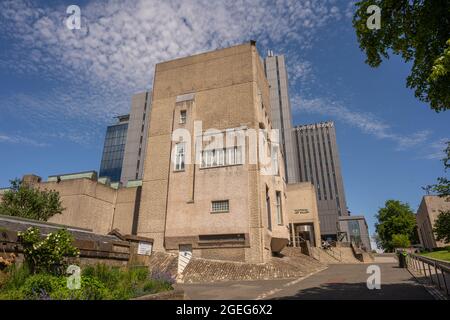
{"x":290,"y":264}
{"x":334,"y":255}
{"x":160,"y":262}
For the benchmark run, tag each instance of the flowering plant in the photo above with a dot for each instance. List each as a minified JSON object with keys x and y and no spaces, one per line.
{"x":47,"y":254}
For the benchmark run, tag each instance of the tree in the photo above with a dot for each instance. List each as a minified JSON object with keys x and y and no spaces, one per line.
{"x":442,"y":226}
{"x":395,"y":218}
{"x":442,"y":187}
{"x":400,"y":241}
{"x":22,"y":200}
{"x":418,"y":31}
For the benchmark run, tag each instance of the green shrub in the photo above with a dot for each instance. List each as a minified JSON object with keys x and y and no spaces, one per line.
{"x":98,"y":282}
{"x":48,"y":254}
{"x":15,"y":277}
{"x":40,"y":286}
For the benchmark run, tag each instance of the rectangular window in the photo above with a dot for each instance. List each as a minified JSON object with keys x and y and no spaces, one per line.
{"x":269,"y":214}
{"x":279,"y":209}
{"x":275,"y":164}
{"x":220,"y":206}
{"x":183,"y":115}
{"x":179,"y":156}
{"x":221,"y":157}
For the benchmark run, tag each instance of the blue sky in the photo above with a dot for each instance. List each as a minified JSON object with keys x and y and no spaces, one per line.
{"x":59,"y":88}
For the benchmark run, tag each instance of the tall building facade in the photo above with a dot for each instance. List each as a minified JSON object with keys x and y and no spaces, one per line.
{"x":114,"y":149}
{"x":126,"y":142}
{"x":212,"y":203}
{"x":136,"y":143}
{"x":318,"y":163}
{"x":276,"y":74}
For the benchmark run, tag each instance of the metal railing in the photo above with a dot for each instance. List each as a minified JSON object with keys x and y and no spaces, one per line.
{"x":422,"y":264}
{"x":332,"y":252}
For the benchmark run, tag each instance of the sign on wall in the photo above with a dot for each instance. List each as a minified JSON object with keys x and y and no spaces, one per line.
{"x":144,"y":248}
{"x":301,"y":211}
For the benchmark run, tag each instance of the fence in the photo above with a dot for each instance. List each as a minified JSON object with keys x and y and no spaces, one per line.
{"x":425,"y":266}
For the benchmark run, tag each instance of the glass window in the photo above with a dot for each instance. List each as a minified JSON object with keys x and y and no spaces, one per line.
{"x":269,"y":214}
{"x":183,"y":116}
{"x":220,"y":206}
{"x":279,"y":209}
{"x":179,"y":156}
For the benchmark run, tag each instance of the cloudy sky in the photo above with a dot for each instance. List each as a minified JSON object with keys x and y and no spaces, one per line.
{"x":59,"y":88}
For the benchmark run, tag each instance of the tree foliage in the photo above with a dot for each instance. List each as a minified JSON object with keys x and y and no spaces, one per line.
{"x":442,"y":226}
{"x":442,"y":187}
{"x":419,"y":32}
{"x":22,"y":200}
{"x":395,"y":218}
{"x":400,"y":241}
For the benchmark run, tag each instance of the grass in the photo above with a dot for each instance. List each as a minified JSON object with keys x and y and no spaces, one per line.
{"x":98,"y":282}
{"x":440,"y":255}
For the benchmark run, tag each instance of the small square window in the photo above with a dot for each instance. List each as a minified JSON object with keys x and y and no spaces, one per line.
{"x":183,"y":116}
{"x":220,"y":206}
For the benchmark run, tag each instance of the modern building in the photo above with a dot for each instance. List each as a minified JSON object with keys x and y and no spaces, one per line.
{"x":114,"y":149}
{"x":136,"y":141}
{"x":318,"y":163}
{"x":213,"y":203}
{"x":276,"y":73}
{"x":355,"y":229}
{"x":429,"y":210}
{"x":126,"y":142}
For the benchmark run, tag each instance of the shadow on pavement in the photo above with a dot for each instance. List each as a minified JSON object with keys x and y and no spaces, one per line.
{"x":359,"y":291}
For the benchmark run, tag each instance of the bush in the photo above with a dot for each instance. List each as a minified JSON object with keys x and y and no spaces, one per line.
{"x":98,"y":282}
{"x":15,"y":277}
{"x":48,"y":254}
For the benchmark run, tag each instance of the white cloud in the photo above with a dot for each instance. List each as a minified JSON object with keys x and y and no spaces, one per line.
{"x":436,"y":149}
{"x":114,"y":54}
{"x":366,"y":122}
{"x":17,"y":139}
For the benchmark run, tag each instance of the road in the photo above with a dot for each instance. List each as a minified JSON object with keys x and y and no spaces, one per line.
{"x":340,"y":281}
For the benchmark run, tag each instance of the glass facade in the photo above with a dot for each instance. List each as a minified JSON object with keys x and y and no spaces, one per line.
{"x":113,"y":152}
{"x":354,"y":230}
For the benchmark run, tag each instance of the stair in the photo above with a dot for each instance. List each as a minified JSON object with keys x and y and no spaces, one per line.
{"x":290,"y":264}
{"x":160,"y":262}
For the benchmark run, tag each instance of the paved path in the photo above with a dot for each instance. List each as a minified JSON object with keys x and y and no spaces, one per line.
{"x":344,"y":281}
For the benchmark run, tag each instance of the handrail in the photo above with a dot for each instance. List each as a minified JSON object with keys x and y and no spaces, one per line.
{"x":413,"y":261}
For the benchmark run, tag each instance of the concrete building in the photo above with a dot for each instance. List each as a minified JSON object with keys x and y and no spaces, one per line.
{"x":93,"y":204}
{"x":216,"y":209}
{"x":355,"y":229}
{"x":303,"y":214}
{"x":126,"y":142}
{"x":114,"y":149}
{"x":319,"y":164}
{"x":429,"y":210}
{"x":136,"y":141}
{"x":276,"y":73}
